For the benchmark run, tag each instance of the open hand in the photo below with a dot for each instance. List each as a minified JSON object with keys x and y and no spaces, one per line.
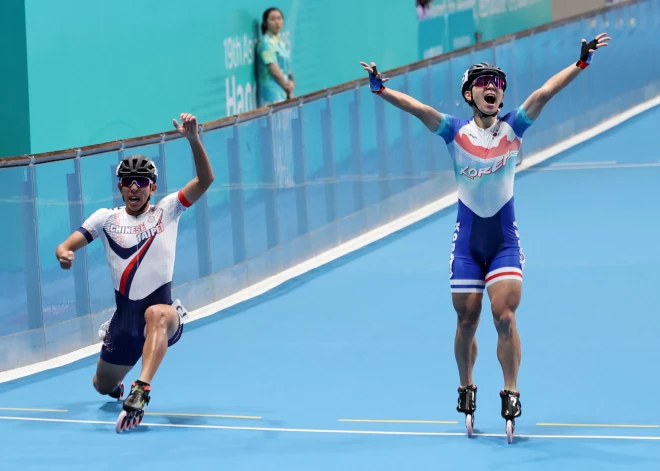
{"x":589,"y":49}
{"x":188,"y":126}
{"x":599,"y":41}
{"x":376,"y":80}
{"x":373,"y":71}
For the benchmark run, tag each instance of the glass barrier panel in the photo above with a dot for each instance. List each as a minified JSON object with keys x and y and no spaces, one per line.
{"x":369,"y":145}
{"x":422,"y":140}
{"x":289,"y":162}
{"x":178,"y":167}
{"x":217,"y":144}
{"x":252,"y":145}
{"x":345,"y":148}
{"x":393,"y":170}
{"x":316,"y":172}
{"x":17,"y":205}
{"x":99,"y":190}
{"x":53,"y":227}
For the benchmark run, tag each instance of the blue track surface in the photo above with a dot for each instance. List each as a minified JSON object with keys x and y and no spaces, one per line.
{"x":371,"y":337}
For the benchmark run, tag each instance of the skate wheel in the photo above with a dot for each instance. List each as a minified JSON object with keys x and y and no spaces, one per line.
{"x":509,"y":431}
{"x":469,"y":424}
{"x":134,"y":421}
{"x":121,"y":422}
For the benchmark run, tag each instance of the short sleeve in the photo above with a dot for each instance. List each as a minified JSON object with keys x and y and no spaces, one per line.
{"x":449,"y":126}
{"x":519,"y":121}
{"x":175,"y":204}
{"x":267,"y":52}
{"x":93,"y":225}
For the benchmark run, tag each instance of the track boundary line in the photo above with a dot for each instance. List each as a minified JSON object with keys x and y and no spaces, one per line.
{"x":339,"y":431}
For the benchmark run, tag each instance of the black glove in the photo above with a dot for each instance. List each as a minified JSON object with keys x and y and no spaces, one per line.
{"x":586,"y":54}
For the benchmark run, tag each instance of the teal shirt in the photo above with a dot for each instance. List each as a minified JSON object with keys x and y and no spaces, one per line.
{"x":272,"y":49}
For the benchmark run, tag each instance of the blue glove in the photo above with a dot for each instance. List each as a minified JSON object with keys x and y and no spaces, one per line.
{"x":376,"y":82}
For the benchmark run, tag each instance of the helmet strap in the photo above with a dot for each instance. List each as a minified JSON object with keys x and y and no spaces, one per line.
{"x":146,"y":203}
{"x":143,"y":206}
{"x":481,"y":113}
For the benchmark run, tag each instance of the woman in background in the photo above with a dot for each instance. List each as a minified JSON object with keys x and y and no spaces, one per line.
{"x":422,"y":8}
{"x":274,"y":61}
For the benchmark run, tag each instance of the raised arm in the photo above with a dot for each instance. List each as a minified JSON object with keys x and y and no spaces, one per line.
{"x":426,"y":114}
{"x":537,"y":100}
{"x":198,"y":185}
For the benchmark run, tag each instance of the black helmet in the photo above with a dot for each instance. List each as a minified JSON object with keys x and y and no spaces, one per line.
{"x":137,"y":166}
{"x":477,"y":70}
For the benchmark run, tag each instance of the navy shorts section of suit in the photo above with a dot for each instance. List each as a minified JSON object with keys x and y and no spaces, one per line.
{"x":124,"y":340}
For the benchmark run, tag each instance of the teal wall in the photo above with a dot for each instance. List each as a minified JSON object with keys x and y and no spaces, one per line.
{"x":105,"y":71}
{"x":496,"y":18}
{"x":453,"y":24}
{"x":100,"y":72}
{"x":14,"y":118}
{"x":14,"y":122}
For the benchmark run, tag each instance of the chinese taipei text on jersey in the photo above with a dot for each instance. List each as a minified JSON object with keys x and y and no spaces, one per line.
{"x":486,"y":246}
{"x":140,"y":251}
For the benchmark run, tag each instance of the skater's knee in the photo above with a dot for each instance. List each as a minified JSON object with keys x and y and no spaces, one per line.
{"x":156,"y":316}
{"x":103,"y":387}
{"x":468,"y":322}
{"x":468,"y":309}
{"x":468,"y":317}
{"x":504,"y":321}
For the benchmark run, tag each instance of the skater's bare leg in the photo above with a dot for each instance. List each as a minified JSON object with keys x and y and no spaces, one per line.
{"x":468,"y":310}
{"x":505,"y":298}
{"x":108,"y":376}
{"x":162,"y":324}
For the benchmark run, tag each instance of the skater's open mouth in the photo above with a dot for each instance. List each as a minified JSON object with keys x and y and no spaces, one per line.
{"x":134,"y":199}
{"x":490,"y":98}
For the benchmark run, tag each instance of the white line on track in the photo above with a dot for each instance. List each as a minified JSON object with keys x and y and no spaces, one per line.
{"x":566,"y":168}
{"x":568,"y":164}
{"x":344,"y":432}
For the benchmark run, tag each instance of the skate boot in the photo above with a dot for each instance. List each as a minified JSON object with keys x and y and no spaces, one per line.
{"x":134,"y":405}
{"x":467,"y":403}
{"x":511,"y":408}
{"x":118,"y":393}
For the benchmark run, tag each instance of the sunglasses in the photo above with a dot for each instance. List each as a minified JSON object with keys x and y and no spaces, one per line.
{"x":141,"y":182}
{"x":486,"y":80}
